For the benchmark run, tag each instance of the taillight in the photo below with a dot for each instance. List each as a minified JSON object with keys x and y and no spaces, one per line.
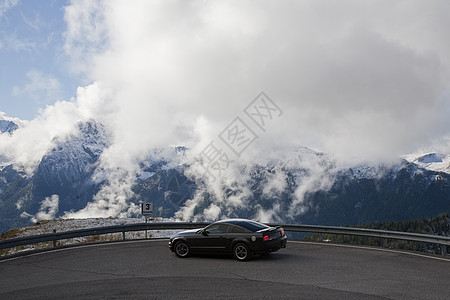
{"x":282,"y":232}
{"x":267,"y":238}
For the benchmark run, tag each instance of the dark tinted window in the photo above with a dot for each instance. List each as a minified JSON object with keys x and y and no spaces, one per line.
{"x":238,"y":229}
{"x":218,"y":228}
{"x":252,"y":225}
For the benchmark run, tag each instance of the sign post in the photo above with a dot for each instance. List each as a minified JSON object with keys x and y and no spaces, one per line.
{"x":147,"y":210}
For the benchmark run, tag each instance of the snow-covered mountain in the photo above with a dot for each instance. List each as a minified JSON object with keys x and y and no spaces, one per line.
{"x":61,"y":182}
{"x":431,"y":161}
{"x":75,"y":156}
{"x":297,"y":186}
{"x":7,"y":126}
{"x":66,"y":169}
{"x":320,"y":193}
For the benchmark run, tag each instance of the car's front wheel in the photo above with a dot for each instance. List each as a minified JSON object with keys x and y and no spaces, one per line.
{"x":181,"y":249}
{"x":241,"y":252}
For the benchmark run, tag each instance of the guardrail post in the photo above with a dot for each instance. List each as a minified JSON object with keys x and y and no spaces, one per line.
{"x":123,"y":235}
{"x":443,"y":249}
{"x":54,"y":241}
{"x":146,"y":221}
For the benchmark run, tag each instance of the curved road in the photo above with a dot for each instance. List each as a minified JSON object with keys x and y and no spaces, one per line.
{"x":148,"y":270}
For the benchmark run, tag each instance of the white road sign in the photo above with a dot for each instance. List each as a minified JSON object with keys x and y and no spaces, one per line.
{"x":147,"y":208}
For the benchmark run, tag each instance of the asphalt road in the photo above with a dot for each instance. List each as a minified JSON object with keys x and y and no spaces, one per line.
{"x":148,"y":270}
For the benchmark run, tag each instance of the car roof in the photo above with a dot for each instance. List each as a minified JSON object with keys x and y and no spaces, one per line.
{"x":248,"y":224}
{"x":235,"y":221}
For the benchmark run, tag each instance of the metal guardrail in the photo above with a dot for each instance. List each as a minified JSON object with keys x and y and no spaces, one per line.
{"x":55,"y":236}
{"x":443,"y":241}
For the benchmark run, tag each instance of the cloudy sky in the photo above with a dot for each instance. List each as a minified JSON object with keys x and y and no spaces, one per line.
{"x":353,"y":78}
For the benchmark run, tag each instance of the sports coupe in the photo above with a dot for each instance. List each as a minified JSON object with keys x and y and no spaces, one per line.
{"x":240,"y":237}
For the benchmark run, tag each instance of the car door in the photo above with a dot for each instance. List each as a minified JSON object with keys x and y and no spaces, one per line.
{"x":213,"y":239}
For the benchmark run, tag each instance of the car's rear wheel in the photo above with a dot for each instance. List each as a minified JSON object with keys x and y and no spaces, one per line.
{"x":181,"y":249}
{"x":241,"y":252}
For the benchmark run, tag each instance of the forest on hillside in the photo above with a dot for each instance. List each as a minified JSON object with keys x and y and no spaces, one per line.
{"x":439,"y":225}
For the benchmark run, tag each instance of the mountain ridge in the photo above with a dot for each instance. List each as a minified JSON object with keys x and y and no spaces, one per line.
{"x":300,"y":185}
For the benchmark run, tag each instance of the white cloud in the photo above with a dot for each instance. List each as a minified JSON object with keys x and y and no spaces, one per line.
{"x":111,"y":200}
{"x":355,"y":80}
{"x":32,"y":140}
{"x":86,"y":33}
{"x":212,"y":212}
{"x":267,"y":215}
{"x":6,"y":5}
{"x":17,"y":121}
{"x":12,"y":42}
{"x":341,"y":75}
{"x":47,"y":211}
{"x":352,"y":78}
{"x":40,"y":87}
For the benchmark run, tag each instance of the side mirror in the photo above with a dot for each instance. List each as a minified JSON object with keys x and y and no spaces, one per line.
{"x":205,"y":232}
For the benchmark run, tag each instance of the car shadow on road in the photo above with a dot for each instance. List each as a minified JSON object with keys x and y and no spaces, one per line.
{"x":258,"y":258}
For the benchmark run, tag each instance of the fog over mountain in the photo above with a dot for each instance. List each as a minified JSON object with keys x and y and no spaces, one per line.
{"x":289,"y":186}
{"x":358,"y":84}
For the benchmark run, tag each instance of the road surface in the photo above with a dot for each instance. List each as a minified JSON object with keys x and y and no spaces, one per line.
{"x":148,"y":270}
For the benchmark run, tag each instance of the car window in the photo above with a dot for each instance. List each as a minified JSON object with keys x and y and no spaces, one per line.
{"x":218,"y":228}
{"x":252,"y":225}
{"x":238,"y":229}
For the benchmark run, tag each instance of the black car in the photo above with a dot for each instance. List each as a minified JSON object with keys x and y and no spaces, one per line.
{"x":240,"y":237}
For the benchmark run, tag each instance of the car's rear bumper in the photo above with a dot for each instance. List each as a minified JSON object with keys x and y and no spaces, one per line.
{"x":271,"y":246}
